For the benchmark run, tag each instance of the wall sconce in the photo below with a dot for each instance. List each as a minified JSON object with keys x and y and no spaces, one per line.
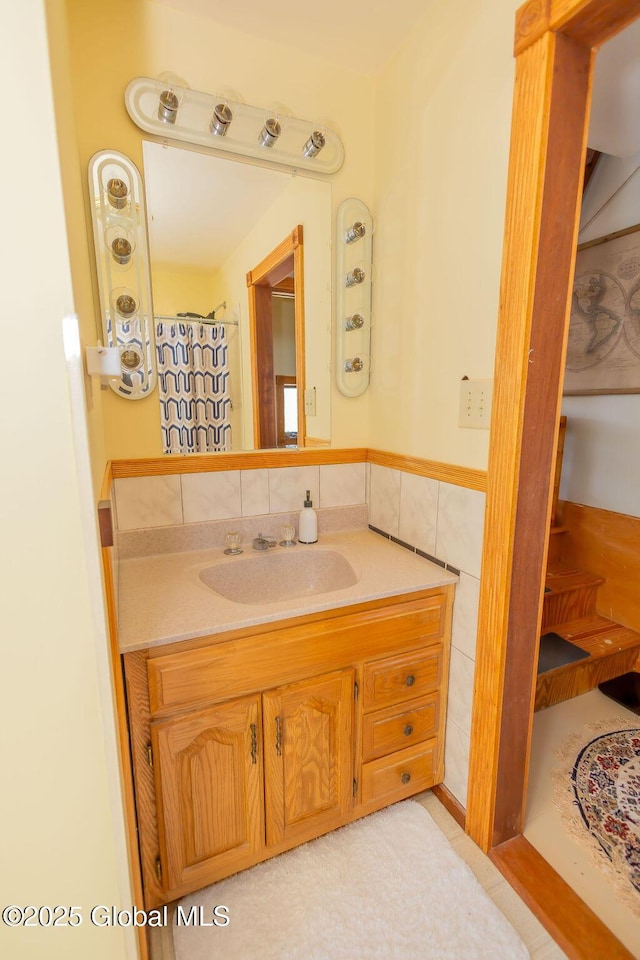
{"x":198,"y":116}
{"x":122,"y":260}
{"x":354,"y":249}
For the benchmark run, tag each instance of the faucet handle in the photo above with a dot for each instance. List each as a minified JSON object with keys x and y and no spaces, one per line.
{"x":260,"y":542}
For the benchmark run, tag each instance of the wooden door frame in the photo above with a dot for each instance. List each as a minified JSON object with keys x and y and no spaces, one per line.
{"x":554,"y":50}
{"x":288,"y":255}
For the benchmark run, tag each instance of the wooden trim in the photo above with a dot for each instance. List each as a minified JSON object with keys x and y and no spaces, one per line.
{"x":317,"y":452}
{"x":572,"y":924}
{"x":450,"y":803}
{"x":107,"y":481}
{"x":609,"y":236}
{"x":551,"y":98}
{"x":250,"y":460}
{"x":105,"y":523}
{"x":592,"y":22}
{"x":532,"y":22}
{"x":316,"y":442}
{"x":606,"y":544}
{"x":448,"y":473}
{"x":298,"y":306}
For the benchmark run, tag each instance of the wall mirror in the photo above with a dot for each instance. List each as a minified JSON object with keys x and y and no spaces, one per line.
{"x":211,"y":220}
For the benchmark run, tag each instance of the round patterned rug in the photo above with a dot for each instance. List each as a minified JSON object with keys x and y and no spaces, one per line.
{"x":599,"y":797}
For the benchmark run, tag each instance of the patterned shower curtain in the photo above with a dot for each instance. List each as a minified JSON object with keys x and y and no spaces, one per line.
{"x":193,"y":377}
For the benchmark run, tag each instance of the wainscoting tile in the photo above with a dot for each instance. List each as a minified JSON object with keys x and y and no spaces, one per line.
{"x":148,"y":501}
{"x":211,"y":496}
{"x":418,"y":511}
{"x":460,"y":701}
{"x":456,"y":762}
{"x":342,"y":484}
{"x":460,"y":527}
{"x":384,"y":499}
{"x":254,"y":486}
{"x":287,"y":487}
{"x":465,"y":615}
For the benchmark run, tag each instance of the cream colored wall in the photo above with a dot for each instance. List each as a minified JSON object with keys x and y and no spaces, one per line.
{"x":62,"y":839}
{"x":442,"y":113}
{"x":111,"y":42}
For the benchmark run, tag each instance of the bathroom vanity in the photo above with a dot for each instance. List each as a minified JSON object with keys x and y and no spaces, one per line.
{"x":264,"y":732}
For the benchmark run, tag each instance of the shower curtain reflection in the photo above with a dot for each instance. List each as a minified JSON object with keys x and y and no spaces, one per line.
{"x":193,"y":380}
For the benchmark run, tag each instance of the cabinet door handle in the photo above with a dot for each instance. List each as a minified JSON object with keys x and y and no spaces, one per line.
{"x":409,"y":682}
{"x":254,"y":743}
{"x":278,"y":736}
{"x":405,"y":777}
{"x":408,"y":730}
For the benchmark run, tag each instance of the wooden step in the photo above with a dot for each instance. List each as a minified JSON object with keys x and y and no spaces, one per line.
{"x":613,"y":650}
{"x":569,"y":594}
{"x":556,"y":541}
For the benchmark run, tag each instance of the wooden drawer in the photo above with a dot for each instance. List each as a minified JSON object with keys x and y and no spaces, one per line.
{"x":396,"y":679}
{"x":240,"y":667}
{"x":398,"y":775}
{"x":396,"y":728}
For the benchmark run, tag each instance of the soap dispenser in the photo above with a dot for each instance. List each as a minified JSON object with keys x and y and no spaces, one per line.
{"x":308,"y":522}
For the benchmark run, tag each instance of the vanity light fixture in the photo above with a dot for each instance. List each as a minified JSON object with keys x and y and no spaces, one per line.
{"x":122,"y":260}
{"x":237,"y":127}
{"x":353,"y":297}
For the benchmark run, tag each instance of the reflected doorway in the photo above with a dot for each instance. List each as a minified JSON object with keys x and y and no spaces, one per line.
{"x":276,"y":318}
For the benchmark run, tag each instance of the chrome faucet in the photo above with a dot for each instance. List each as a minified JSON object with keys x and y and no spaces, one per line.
{"x":263,"y":543}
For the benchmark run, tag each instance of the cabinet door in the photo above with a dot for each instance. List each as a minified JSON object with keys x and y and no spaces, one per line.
{"x":308,"y":756}
{"x":209,"y":785}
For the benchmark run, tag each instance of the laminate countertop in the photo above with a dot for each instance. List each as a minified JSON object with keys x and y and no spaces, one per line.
{"x":162,"y":599}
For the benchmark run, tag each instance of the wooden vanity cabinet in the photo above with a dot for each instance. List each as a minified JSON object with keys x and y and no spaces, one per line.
{"x":248,"y":744}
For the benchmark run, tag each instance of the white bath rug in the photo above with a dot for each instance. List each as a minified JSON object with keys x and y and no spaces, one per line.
{"x":388,"y":887}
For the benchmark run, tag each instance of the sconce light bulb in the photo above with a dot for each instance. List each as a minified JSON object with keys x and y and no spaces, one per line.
{"x":354,"y":322}
{"x":126,"y":305}
{"x":355,"y":232}
{"x":121,"y":250}
{"x":117,"y":193}
{"x":131,"y":358}
{"x":355,"y":276}
{"x":220,"y":119}
{"x":168,"y":104}
{"x":354,"y":366}
{"x":314,"y":144}
{"x":270,"y":132}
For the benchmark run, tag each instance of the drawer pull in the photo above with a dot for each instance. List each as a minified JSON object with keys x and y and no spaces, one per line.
{"x":254,"y":743}
{"x":408,"y":730}
{"x":278,"y":737}
{"x":405,"y":777}
{"x":409,"y":682}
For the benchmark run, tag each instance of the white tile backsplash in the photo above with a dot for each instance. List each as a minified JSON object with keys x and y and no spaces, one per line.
{"x":384,"y":499}
{"x":460,"y":700}
{"x":456,"y":762}
{"x":418,"y":511}
{"x":460,"y":527}
{"x":342,"y":484}
{"x":287,"y":487}
{"x":465,"y":615}
{"x":254,"y":486}
{"x":211,"y":496}
{"x":148,"y":501}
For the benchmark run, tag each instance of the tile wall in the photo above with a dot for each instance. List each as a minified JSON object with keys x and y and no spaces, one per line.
{"x":439,"y":519}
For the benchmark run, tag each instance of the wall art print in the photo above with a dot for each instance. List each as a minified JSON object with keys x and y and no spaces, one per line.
{"x":603,"y":351}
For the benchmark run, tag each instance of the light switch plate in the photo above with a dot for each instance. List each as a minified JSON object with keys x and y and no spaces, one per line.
{"x":475,"y":404}
{"x":310,"y":401}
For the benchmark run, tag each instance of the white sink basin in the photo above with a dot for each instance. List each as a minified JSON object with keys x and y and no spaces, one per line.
{"x":280,"y":576}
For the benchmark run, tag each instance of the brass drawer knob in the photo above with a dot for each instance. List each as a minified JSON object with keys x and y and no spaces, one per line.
{"x":409,"y":682}
{"x":405,"y":777}
{"x":408,"y":730}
